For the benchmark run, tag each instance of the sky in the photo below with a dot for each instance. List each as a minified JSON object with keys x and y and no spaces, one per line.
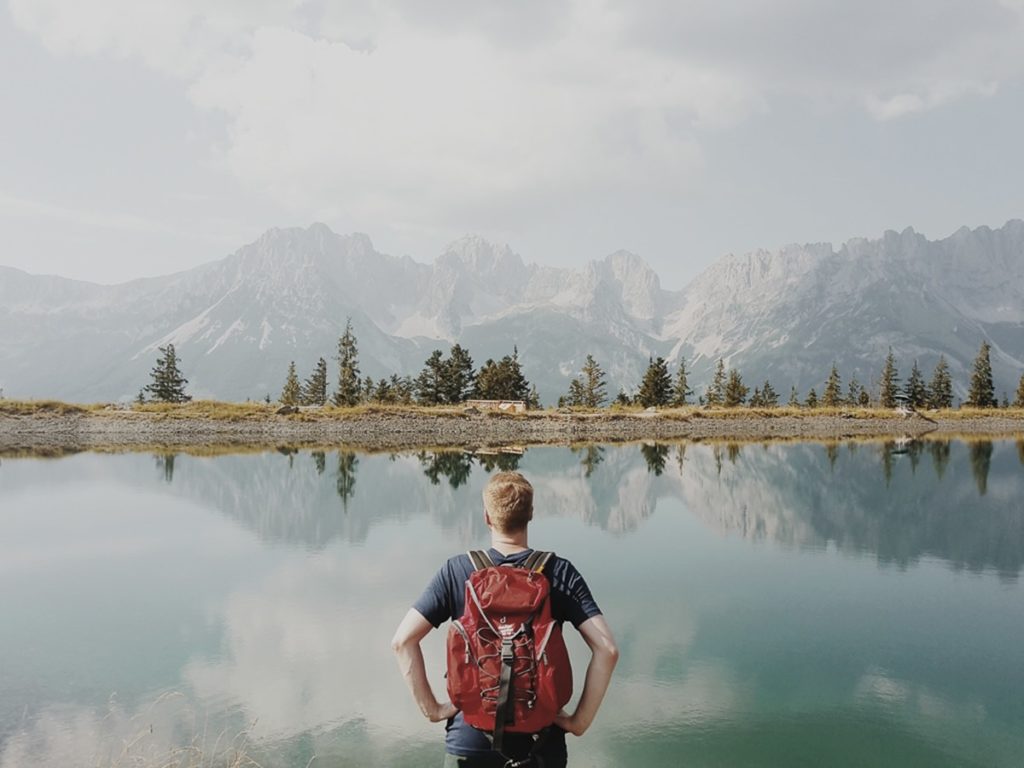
{"x":143,"y":137}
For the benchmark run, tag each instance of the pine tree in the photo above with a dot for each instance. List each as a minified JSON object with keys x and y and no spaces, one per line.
{"x":430,"y":384}
{"x":593,"y":384}
{"x":656,"y":387}
{"x":982,"y":392}
{"x":402,"y":388}
{"x":755,"y":398}
{"x":533,"y":399}
{"x":735,"y":392}
{"x":503,"y":380}
{"x":940,"y":390}
{"x":715,"y":394}
{"x":833,"y":389}
{"x":168,"y":385}
{"x":681,"y":391}
{"x":1018,"y":401}
{"x":812,"y":399}
{"x":864,"y":399}
{"x":769,"y":397}
{"x":458,"y":376}
{"x":574,"y":398}
{"x":368,"y":389}
{"x":291,"y":392}
{"x":914,"y":390}
{"x":853,"y":391}
{"x":794,"y":399}
{"x":348,"y":392}
{"x":889,"y":385}
{"x":314,"y":391}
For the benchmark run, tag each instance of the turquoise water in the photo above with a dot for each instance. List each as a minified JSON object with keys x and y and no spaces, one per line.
{"x":776,"y":605}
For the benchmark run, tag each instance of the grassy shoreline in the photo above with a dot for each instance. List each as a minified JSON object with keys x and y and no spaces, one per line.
{"x":224,"y":427}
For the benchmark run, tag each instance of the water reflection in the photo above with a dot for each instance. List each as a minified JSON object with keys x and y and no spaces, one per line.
{"x":872,"y":497}
{"x":733,"y":652}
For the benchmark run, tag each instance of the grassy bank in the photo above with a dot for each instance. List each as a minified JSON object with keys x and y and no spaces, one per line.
{"x":228,"y":411}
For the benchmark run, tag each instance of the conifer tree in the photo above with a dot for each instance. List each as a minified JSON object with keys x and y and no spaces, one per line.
{"x":940,"y":390}
{"x":889,"y":384}
{"x":368,"y":389}
{"x":812,"y":399}
{"x":735,"y":391}
{"x":314,"y":390}
{"x":853,"y":391}
{"x":459,"y":379}
{"x":574,"y":398}
{"x":291,"y":392}
{"x":402,"y":388}
{"x":656,"y":387}
{"x":681,"y":391}
{"x":833,"y":389}
{"x":982,"y":392}
{"x":533,"y":399}
{"x":167,"y":385}
{"x":593,"y":384}
{"x":914,"y":390}
{"x":430,"y":384}
{"x":794,"y":399}
{"x":755,"y":398}
{"x":349,"y":392}
{"x":1018,"y":401}
{"x":504,"y":380}
{"x":715,"y":394}
{"x":769,"y":397}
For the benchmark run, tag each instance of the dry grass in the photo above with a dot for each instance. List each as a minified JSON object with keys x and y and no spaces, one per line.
{"x":52,"y":407}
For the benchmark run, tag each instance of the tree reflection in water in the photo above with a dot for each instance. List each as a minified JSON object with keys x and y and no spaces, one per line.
{"x":345,"y":481}
{"x":165,"y":463}
{"x":655,"y":454}
{"x":981,"y":462}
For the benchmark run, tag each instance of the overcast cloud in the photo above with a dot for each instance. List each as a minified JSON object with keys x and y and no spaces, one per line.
{"x":149,"y":136}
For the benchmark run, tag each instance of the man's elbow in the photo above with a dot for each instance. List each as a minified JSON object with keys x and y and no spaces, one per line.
{"x":608,"y":651}
{"x":612,"y":653}
{"x":399,"y":643}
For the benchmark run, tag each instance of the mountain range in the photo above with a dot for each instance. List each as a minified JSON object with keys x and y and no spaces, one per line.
{"x":782,"y":315}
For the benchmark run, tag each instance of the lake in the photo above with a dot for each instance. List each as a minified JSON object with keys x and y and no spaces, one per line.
{"x":790,"y":604}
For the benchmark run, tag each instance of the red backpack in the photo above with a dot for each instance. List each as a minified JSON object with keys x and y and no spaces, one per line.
{"x":508,"y":668}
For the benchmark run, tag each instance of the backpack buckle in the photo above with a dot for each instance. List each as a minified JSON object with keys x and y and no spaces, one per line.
{"x":506,"y":650}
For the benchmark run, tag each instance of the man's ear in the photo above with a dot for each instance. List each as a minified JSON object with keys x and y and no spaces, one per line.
{"x":487,"y":519}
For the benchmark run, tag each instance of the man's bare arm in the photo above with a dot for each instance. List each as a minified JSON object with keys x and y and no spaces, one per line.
{"x":406,"y":645}
{"x":605,"y":654}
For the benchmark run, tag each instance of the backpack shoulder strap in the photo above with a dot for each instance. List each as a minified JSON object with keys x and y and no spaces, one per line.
{"x":480,"y":559}
{"x":537,"y":560}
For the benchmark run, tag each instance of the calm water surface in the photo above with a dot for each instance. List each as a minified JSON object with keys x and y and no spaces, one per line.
{"x":779,"y":605}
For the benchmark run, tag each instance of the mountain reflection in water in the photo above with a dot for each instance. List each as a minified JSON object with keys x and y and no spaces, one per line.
{"x":899,"y":500}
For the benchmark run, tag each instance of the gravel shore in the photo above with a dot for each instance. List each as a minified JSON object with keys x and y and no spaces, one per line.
{"x":129,"y":430}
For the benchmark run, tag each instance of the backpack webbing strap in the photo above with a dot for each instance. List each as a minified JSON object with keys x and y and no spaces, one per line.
{"x":537,"y":560}
{"x":480,"y":559}
{"x":504,"y":711}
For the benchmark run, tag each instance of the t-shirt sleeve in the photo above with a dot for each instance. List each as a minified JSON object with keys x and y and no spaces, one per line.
{"x":571,"y":599}
{"x":435,"y":603}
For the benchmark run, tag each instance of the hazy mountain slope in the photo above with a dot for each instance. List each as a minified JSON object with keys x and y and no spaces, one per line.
{"x":786,"y":315}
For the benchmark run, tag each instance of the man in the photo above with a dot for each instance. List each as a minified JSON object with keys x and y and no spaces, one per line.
{"x":508,"y":510}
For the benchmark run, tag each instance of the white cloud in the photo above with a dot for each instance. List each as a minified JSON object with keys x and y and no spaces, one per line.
{"x":388,"y":115}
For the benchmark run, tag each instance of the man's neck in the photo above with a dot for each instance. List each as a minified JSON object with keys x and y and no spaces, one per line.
{"x":509,"y":543}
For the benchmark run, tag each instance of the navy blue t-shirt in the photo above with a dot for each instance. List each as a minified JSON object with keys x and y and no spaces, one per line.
{"x":444,"y":598}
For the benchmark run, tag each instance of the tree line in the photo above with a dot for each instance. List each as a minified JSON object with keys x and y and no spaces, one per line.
{"x":659,"y":387}
{"x":453,"y":379}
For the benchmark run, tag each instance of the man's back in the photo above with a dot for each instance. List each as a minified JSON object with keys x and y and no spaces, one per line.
{"x":508,"y":509}
{"x":444,"y":599}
